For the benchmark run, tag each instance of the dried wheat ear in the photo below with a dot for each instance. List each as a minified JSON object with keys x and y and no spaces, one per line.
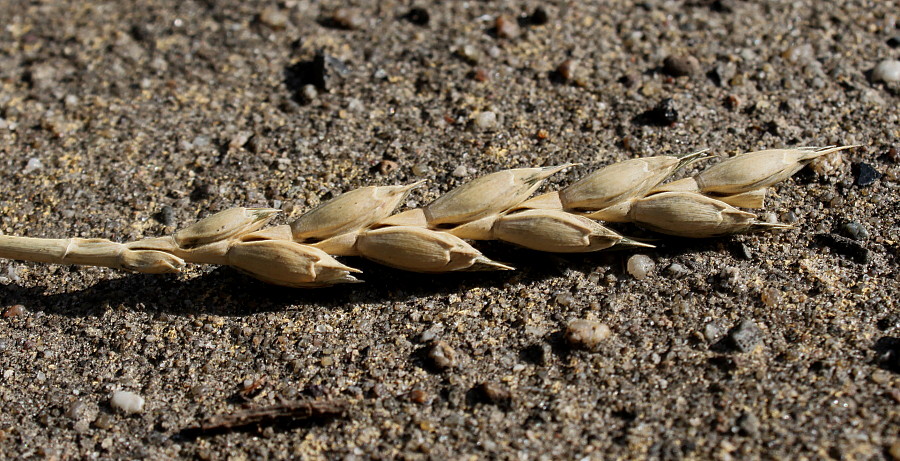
{"x":432,"y":239}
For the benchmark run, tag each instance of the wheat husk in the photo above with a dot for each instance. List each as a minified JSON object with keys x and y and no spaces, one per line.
{"x":757,"y":170}
{"x":752,"y":199}
{"x":224,"y":225}
{"x":350,"y":211}
{"x":621,"y":181}
{"x":693,"y":215}
{"x":487,"y":195}
{"x":418,"y":249}
{"x":557,"y":231}
{"x":288,"y":263}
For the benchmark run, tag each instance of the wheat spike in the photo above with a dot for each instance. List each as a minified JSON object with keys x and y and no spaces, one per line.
{"x":431,"y":239}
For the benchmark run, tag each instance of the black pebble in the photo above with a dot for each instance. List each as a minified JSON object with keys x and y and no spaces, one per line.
{"x":867,"y":175}
{"x":539,"y":17}
{"x":166,"y":216}
{"x":418,"y":16}
{"x":894,"y":41}
{"x":845,"y":246}
{"x":317,"y":72}
{"x":887,"y":350}
{"x":663,"y":114}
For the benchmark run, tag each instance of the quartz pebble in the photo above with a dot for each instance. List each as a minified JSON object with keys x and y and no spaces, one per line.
{"x":460,"y":171}
{"x":273,"y":17}
{"x":348,"y":19}
{"x":129,"y":402}
{"x":565,"y":299}
{"x":486,"y":120}
{"x":886,"y":71}
{"x":639,"y":266}
{"x":746,"y":336}
{"x":442,"y":356}
{"x":586,"y":334}
{"x":856,"y":231}
{"x":506,"y":27}
{"x":33,"y":165}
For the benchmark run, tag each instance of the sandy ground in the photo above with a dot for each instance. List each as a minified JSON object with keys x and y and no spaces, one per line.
{"x":129,"y":119}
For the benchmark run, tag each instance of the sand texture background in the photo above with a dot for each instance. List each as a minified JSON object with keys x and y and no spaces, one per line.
{"x":125,"y":119}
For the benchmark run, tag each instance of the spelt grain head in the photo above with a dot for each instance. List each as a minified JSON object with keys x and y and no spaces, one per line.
{"x":419,"y":249}
{"x":224,"y":225}
{"x":622,"y":181}
{"x":349,"y":211}
{"x":287,"y":263}
{"x":757,"y":170}
{"x":556,"y":231}
{"x":487,"y":195}
{"x":688,"y":214}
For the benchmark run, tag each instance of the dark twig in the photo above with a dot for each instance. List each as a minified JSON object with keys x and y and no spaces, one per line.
{"x":288,"y":413}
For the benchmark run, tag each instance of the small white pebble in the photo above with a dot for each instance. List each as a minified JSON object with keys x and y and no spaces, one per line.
{"x":309,"y":92}
{"x":12,"y":272}
{"x":273,"y":17}
{"x":460,"y":171}
{"x":238,"y":140}
{"x":586,"y":334}
{"x":129,"y":402}
{"x":355,"y":105}
{"x":486,"y":120}
{"x":469,"y":53}
{"x":886,"y":71}
{"x":676,"y":270}
{"x":565,"y":299}
{"x":639,"y":266}
{"x":200,"y":141}
{"x":71,"y":100}
{"x":33,"y":165}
